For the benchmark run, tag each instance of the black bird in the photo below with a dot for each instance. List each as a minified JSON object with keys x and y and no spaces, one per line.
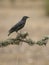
{"x":19,"y":25}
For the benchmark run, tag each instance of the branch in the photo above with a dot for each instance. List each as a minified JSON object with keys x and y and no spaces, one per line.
{"x":23,"y":37}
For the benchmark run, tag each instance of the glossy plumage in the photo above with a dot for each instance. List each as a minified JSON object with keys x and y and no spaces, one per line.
{"x":19,"y":25}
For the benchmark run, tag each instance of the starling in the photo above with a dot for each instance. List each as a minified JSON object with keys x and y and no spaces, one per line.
{"x":19,"y":25}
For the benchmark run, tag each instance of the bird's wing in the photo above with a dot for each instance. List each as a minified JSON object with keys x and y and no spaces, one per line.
{"x":15,"y":27}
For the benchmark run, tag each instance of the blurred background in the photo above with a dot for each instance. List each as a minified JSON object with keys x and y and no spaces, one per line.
{"x":11,"y":11}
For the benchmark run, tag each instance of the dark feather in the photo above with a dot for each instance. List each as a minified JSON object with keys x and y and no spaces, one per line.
{"x":18,"y":26}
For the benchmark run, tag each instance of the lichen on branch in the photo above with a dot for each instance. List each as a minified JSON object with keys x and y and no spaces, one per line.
{"x":23,"y":37}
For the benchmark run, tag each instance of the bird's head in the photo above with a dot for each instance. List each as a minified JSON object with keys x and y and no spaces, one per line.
{"x":25,"y":17}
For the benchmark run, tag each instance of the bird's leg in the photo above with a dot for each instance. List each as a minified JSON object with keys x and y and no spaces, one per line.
{"x":20,"y":31}
{"x":17,"y":32}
